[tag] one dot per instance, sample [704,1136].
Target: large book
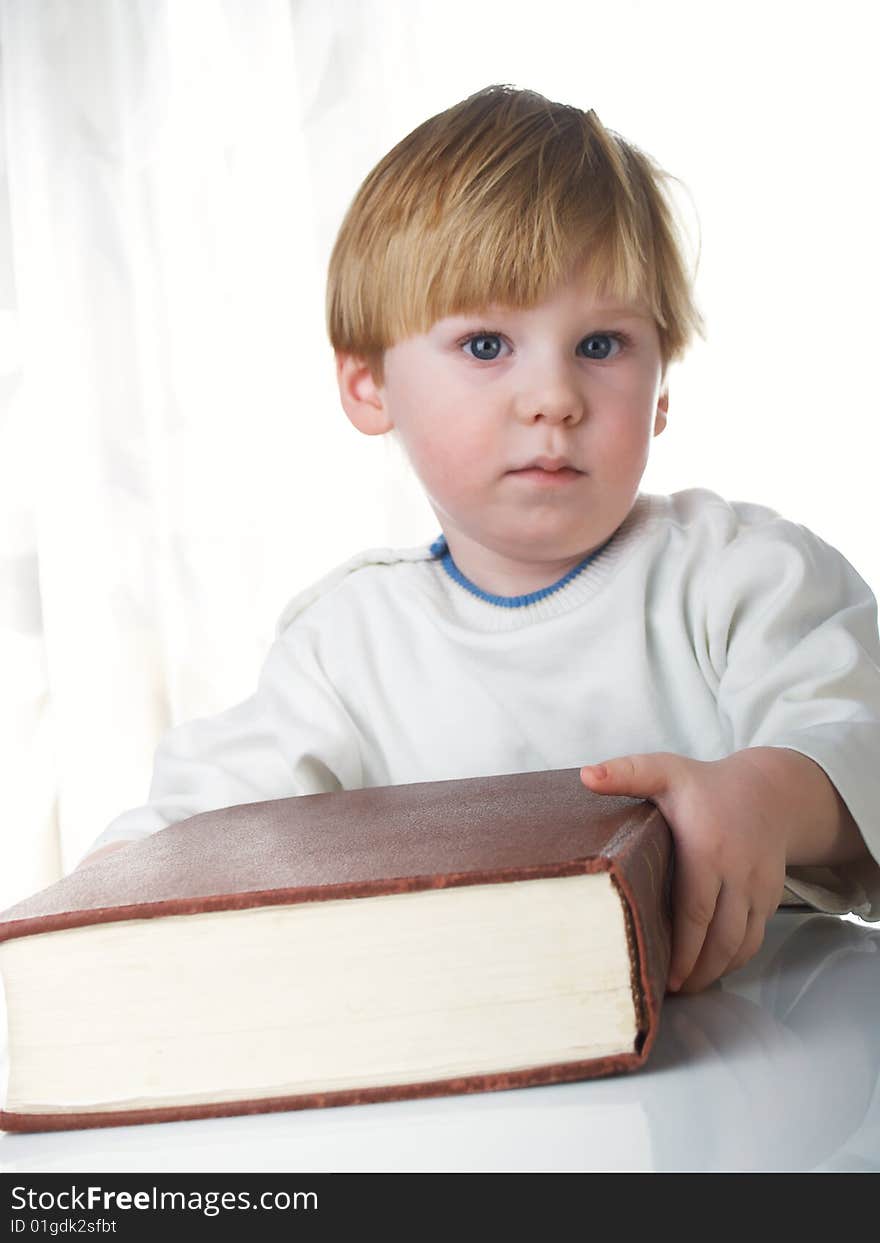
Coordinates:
[333,949]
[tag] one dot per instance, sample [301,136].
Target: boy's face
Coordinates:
[479,397]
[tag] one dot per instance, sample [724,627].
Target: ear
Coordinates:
[362,401]
[662,408]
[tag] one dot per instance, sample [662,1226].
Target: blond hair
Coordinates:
[500,199]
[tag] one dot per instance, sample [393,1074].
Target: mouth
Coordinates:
[548,472]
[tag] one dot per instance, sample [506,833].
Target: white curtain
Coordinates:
[174,462]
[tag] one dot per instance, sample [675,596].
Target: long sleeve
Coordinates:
[792,635]
[292,736]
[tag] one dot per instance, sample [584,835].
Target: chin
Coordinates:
[546,548]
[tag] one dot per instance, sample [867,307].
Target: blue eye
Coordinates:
[480,339]
[487,345]
[603,336]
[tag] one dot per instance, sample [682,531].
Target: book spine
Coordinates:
[642,862]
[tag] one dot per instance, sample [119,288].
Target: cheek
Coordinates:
[620,452]
[625,435]
[452,453]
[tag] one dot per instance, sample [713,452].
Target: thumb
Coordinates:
[635,776]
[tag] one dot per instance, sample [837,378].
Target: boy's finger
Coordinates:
[695,894]
[752,941]
[724,939]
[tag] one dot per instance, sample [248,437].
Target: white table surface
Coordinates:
[774,1068]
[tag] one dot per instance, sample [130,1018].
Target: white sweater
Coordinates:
[701,627]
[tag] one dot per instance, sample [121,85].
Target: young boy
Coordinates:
[506,294]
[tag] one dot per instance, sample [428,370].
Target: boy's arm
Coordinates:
[292,736]
[791,637]
[822,832]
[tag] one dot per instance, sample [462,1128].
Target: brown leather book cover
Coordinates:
[363,843]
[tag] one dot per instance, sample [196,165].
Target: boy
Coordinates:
[506,294]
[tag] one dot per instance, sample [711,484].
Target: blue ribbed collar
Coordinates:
[440,549]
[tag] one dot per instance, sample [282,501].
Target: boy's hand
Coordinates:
[728,826]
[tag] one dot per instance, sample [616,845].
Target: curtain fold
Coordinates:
[168,390]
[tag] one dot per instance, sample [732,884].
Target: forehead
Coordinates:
[578,296]
[623,310]
[578,305]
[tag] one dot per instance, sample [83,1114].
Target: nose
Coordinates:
[554,395]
